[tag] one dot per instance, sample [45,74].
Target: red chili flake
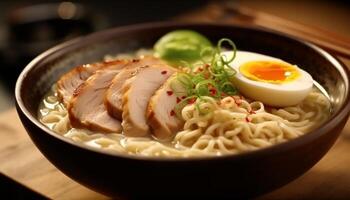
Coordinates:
[178,100]
[223,94]
[170,92]
[200,69]
[206,65]
[172,113]
[212,91]
[191,101]
[164,72]
[252,112]
[247,119]
[237,102]
[183,97]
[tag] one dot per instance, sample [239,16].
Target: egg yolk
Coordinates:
[269,71]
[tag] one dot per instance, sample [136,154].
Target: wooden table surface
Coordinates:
[328,179]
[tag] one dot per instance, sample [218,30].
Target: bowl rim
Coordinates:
[108,33]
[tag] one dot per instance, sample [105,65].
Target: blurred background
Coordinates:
[29,27]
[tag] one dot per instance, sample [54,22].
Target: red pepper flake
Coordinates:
[212,91]
[164,72]
[172,113]
[183,97]
[178,100]
[237,101]
[206,65]
[223,94]
[200,69]
[247,119]
[170,92]
[191,101]
[252,112]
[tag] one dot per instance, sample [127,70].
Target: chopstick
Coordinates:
[330,41]
[229,12]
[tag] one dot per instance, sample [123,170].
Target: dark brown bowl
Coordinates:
[244,175]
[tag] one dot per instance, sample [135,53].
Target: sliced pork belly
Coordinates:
[161,116]
[113,99]
[137,92]
[86,108]
[75,77]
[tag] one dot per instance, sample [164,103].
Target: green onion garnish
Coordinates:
[210,76]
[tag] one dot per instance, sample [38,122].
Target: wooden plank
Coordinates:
[22,161]
[229,13]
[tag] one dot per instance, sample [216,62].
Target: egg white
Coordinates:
[279,95]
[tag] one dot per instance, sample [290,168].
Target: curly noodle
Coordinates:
[212,127]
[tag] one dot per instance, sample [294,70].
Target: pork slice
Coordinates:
[161,116]
[86,108]
[137,92]
[70,81]
[113,98]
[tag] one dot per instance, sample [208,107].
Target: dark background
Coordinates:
[28,28]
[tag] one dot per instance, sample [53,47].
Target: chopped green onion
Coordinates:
[212,78]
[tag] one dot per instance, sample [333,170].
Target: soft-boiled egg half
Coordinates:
[270,80]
